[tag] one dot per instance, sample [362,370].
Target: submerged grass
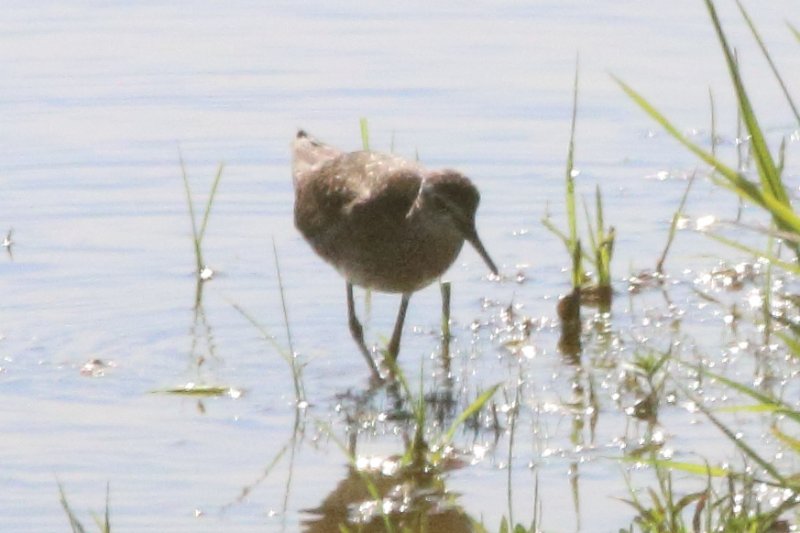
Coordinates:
[208,391]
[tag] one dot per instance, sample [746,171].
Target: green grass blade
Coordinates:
[791,342]
[74,523]
[784,216]
[795,31]
[788,440]
[570,179]
[673,226]
[593,240]
[755,408]
[756,395]
[693,468]
[577,265]
[557,232]
[364,133]
[767,169]
[766,465]
[765,402]
[713,123]
[209,203]
[473,408]
[742,445]
[748,188]
[766,290]
[291,357]
[198,253]
[288,356]
[768,57]
[105,525]
[598,205]
[605,248]
[789,267]
[203,391]
[683,466]
[573,244]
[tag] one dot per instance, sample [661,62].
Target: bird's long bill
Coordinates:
[475,241]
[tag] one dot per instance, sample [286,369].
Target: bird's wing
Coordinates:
[358,189]
[390,198]
[321,200]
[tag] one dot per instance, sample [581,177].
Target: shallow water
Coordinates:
[98,100]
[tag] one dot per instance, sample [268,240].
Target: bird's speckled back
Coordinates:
[363,212]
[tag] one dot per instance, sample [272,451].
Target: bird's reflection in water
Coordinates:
[402,492]
[382,494]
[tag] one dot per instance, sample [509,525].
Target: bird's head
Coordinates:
[452,196]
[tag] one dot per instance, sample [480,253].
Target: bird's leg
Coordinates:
[357,331]
[394,344]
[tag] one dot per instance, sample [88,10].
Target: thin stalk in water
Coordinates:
[296,370]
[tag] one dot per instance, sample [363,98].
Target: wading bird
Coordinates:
[384,222]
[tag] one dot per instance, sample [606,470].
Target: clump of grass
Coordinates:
[569,306]
[769,192]
[585,290]
[202,270]
[730,500]
[737,506]
[733,507]
[103,523]
[601,239]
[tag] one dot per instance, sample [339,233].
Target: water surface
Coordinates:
[98,100]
